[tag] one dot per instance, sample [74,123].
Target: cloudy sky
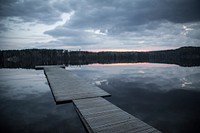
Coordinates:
[99,24]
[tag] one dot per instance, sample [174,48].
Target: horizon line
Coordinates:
[104,50]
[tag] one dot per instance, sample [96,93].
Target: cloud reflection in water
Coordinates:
[153,93]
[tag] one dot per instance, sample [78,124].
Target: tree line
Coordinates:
[29,58]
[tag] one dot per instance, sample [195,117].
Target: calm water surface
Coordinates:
[27,105]
[164,96]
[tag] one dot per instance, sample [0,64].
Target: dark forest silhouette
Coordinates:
[29,58]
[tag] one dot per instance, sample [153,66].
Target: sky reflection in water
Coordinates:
[27,105]
[165,96]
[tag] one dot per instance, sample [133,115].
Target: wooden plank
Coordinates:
[42,67]
[122,127]
[83,120]
[104,117]
[66,86]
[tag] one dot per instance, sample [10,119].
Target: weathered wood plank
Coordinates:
[84,121]
[108,118]
[121,127]
[66,86]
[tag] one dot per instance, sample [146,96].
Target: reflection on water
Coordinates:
[33,83]
[165,96]
[27,105]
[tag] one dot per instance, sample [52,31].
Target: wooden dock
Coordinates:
[66,86]
[97,114]
[101,116]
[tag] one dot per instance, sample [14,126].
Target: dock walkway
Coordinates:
[97,114]
[101,116]
[66,86]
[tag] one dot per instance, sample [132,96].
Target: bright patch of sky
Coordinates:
[22,34]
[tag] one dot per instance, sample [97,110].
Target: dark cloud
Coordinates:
[177,11]
[7,2]
[112,14]
[151,23]
[109,22]
[31,10]
[3,28]
[126,15]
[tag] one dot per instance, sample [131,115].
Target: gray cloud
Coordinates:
[31,10]
[112,14]
[73,37]
[3,28]
[126,15]
[117,23]
[63,32]
[194,34]
[93,13]
[193,31]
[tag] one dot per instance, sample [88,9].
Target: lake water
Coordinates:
[164,96]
